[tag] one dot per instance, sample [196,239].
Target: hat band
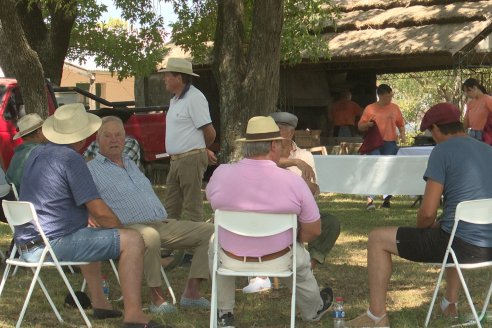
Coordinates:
[265,135]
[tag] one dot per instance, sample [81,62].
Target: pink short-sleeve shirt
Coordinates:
[259,186]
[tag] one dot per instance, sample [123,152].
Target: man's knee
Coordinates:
[131,238]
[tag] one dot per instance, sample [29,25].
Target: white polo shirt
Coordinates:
[184,119]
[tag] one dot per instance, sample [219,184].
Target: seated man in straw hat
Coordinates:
[57,181]
[29,127]
[256,183]
[131,196]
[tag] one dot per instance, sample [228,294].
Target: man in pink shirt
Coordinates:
[257,184]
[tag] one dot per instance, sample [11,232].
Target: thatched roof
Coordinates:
[382,29]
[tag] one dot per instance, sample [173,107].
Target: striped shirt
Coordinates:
[126,191]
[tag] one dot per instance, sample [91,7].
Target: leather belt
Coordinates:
[263,258]
[188,153]
[30,245]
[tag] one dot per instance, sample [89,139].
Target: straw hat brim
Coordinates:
[177,70]
[257,140]
[64,138]
[27,131]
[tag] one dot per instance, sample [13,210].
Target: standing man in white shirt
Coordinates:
[189,131]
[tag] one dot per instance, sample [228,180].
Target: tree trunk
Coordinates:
[27,69]
[247,71]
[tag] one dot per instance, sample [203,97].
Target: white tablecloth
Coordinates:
[371,175]
[416,150]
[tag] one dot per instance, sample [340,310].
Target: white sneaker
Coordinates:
[257,284]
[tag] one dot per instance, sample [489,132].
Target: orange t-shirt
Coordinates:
[477,111]
[344,112]
[388,118]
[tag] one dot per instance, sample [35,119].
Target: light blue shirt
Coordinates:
[126,190]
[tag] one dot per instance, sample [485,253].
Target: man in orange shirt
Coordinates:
[343,115]
[388,119]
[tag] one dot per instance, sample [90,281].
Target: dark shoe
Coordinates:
[226,320]
[386,202]
[106,314]
[150,324]
[327,297]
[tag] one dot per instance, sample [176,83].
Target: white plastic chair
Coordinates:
[252,224]
[476,212]
[19,213]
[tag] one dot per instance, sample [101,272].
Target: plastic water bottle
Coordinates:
[338,313]
[105,287]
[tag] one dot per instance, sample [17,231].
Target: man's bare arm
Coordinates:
[306,169]
[308,231]
[427,213]
[209,134]
[102,215]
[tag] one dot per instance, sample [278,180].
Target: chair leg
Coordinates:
[69,287]
[4,277]
[47,295]
[486,303]
[468,297]
[169,288]
[434,297]
[28,296]
[213,304]
[115,270]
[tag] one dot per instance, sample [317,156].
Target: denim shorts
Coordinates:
[84,245]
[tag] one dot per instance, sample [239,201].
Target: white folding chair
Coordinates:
[19,213]
[253,225]
[477,212]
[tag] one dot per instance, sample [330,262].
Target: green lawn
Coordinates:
[409,294]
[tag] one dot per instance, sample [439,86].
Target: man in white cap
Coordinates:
[29,127]
[257,184]
[58,183]
[189,131]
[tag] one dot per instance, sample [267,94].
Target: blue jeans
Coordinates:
[84,245]
[388,148]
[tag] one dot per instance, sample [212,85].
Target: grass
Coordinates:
[409,294]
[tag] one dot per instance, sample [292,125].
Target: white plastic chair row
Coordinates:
[246,224]
[19,213]
[476,212]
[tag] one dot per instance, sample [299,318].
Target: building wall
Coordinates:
[111,88]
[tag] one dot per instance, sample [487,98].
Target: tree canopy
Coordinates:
[57,30]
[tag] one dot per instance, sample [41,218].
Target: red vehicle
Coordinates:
[147,125]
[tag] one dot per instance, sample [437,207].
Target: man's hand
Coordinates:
[307,171]
[212,159]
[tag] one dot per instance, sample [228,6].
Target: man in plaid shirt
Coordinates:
[132,149]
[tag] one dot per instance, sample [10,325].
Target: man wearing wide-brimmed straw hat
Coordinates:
[29,127]
[257,184]
[189,131]
[58,183]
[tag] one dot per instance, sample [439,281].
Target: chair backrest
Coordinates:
[18,213]
[254,224]
[475,211]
